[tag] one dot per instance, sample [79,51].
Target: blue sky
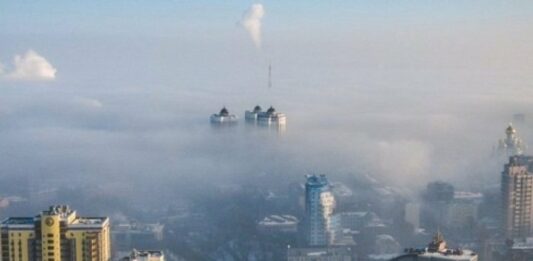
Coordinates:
[165,17]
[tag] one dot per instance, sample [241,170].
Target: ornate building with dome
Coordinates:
[223,117]
[512,144]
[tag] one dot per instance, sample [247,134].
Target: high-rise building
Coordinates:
[56,234]
[319,206]
[517,197]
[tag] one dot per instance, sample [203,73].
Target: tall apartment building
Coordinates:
[57,234]
[319,206]
[517,197]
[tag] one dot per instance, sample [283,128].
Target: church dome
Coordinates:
[271,110]
[224,112]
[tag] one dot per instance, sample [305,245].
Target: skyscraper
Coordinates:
[517,197]
[319,207]
[54,235]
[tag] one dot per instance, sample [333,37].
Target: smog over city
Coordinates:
[406,112]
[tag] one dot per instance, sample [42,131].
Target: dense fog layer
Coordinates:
[404,101]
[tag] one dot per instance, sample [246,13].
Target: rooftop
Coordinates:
[61,210]
[316,180]
[136,254]
[523,244]
[18,221]
[273,220]
[438,248]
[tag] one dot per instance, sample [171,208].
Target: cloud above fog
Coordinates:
[30,66]
[251,21]
[88,103]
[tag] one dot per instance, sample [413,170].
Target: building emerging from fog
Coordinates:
[56,234]
[145,255]
[223,117]
[319,206]
[512,144]
[517,197]
[268,118]
[437,250]
[251,116]
[271,118]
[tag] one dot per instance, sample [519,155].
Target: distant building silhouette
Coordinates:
[512,144]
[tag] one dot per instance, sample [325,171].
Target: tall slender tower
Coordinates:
[269,76]
[517,197]
[319,207]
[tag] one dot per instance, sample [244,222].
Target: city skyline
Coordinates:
[411,108]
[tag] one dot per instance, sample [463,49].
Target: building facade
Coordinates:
[319,206]
[272,118]
[251,116]
[56,234]
[517,197]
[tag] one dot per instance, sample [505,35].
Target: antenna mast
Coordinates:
[269,75]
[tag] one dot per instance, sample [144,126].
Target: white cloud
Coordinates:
[89,103]
[32,66]
[251,21]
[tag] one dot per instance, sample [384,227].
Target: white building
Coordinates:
[437,250]
[271,118]
[251,116]
[145,255]
[278,224]
[224,117]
